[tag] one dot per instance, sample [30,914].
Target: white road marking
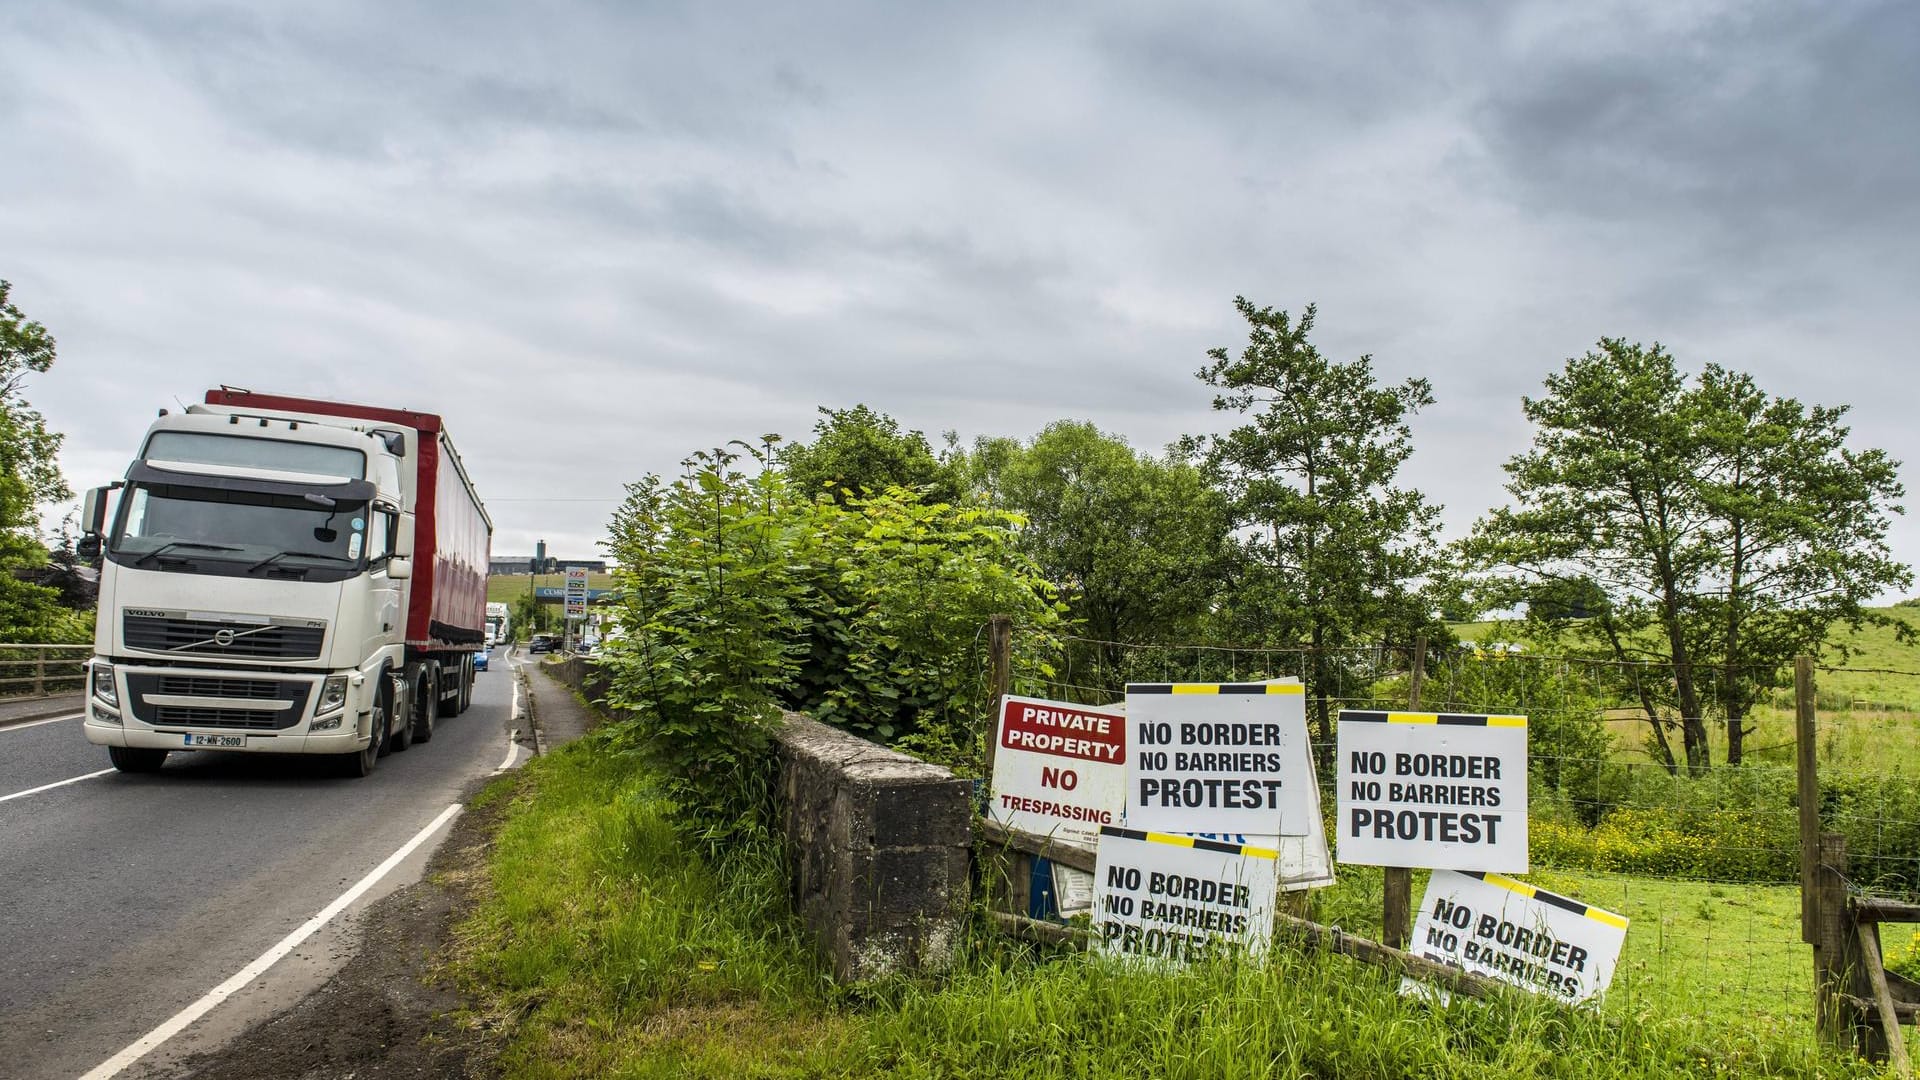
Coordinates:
[37,723]
[50,787]
[513,751]
[185,1017]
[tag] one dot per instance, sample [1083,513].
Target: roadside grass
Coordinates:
[602,946]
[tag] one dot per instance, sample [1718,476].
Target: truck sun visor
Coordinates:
[340,490]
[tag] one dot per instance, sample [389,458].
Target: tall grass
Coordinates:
[605,947]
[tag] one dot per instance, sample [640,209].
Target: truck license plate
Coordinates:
[224,742]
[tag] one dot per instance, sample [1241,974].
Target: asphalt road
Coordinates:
[125,899]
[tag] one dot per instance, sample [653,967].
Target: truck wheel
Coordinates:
[133,759]
[361,762]
[428,709]
[465,697]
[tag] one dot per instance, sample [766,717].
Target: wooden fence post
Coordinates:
[1396,900]
[40,672]
[999,677]
[1805,764]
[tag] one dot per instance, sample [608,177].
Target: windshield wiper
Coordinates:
[278,555]
[171,544]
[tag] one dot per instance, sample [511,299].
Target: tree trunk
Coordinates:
[1736,733]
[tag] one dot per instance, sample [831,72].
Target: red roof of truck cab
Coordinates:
[241,399]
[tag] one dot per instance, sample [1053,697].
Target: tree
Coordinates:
[29,478]
[859,450]
[1136,544]
[1712,527]
[1330,549]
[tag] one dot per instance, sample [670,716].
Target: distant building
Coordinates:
[521,564]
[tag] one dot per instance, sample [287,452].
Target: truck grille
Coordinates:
[210,714]
[201,686]
[196,637]
[245,719]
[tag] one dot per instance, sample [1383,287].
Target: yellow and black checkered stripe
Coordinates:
[1215,688]
[1176,840]
[1358,716]
[1521,888]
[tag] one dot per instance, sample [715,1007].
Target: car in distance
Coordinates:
[480,659]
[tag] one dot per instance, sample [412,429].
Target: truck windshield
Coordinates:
[254,532]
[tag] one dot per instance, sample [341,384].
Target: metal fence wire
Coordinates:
[1705,861]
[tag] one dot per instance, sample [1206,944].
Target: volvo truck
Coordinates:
[284,575]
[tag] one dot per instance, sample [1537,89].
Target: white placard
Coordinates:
[1439,790]
[1219,758]
[1059,769]
[1175,899]
[1508,930]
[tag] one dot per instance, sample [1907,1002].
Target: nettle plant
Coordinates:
[741,597]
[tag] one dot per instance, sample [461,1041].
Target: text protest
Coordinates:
[1219,757]
[1178,899]
[1433,790]
[1508,930]
[1059,769]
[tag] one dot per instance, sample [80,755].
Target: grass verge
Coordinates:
[603,947]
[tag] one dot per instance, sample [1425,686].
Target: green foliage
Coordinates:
[742,596]
[29,478]
[1711,526]
[711,630]
[1136,544]
[1331,552]
[859,450]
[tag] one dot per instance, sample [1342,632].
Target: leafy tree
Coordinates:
[29,478]
[859,450]
[1330,551]
[1136,544]
[1711,527]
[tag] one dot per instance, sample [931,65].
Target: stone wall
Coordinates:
[878,848]
[877,842]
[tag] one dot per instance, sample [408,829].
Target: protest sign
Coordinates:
[1059,769]
[1219,758]
[1178,899]
[1439,790]
[1508,930]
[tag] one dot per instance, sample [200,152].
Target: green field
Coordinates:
[506,588]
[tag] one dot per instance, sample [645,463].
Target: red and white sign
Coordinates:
[1059,769]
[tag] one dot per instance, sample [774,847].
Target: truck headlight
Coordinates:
[333,695]
[103,687]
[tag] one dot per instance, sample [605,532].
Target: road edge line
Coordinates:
[50,787]
[38,720]
[183,1019]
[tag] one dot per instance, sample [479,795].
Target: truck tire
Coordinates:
[465,697]
[427,711]
[134,759]
[361,762]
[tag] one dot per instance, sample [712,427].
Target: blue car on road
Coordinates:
[480,659]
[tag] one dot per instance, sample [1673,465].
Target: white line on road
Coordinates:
[185,1017]
[513,751]
[37,723]
[50,787]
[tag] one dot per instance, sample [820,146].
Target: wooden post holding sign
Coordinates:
[999,671]
[1175,899]
[1507,930]
[1396,882]
[1440,790]
[1219,758]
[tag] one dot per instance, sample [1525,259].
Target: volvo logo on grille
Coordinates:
[223,637]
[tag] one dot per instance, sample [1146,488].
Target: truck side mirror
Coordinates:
[399,569]
[93,512]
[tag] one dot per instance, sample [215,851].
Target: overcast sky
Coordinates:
[596,237]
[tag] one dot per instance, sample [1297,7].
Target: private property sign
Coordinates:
[1219,758]
[1508,930]
[1440,790]
[1177,899]
[1059,769]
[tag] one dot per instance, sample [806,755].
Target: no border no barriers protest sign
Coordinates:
[1177,899]
[1219,758]
[1440,790]
[1508,930]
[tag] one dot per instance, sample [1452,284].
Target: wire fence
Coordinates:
[1633,806]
